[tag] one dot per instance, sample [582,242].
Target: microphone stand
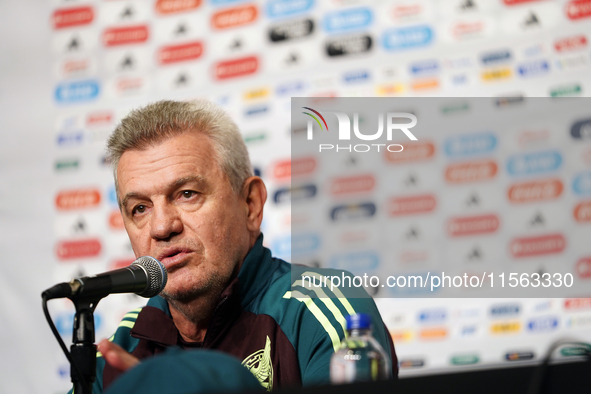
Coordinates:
[83,349]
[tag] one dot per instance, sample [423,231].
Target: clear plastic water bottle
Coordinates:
[360,358]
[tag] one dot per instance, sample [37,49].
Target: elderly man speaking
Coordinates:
[188,197]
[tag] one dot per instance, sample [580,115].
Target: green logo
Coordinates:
[67,164]
[465,359]
[570,90]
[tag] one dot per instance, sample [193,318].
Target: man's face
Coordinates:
[178,206]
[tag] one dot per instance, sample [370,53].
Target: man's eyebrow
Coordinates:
[175,185]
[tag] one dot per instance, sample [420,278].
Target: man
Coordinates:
[188,197]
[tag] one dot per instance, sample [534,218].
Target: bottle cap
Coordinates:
[358,321]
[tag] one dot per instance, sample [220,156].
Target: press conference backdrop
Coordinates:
[79,66]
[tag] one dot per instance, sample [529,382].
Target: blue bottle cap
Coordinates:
[358,321]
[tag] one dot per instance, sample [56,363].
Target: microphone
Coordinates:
[145,277]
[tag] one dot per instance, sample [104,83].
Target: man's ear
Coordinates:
[254,193]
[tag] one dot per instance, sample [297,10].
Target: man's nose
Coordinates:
[165,222]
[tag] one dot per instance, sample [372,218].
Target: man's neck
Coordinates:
[192,318]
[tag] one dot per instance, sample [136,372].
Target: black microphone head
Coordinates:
[157,275]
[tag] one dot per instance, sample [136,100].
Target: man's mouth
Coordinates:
[173,257]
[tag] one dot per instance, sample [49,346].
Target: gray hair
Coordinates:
[161,120]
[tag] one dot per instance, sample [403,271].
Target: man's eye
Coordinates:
[138,209]
[188,193]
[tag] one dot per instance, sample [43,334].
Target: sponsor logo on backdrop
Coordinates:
[537,246]
[176,6]
[348,45]
[579,322]
[281,8]
[304,243]
[100,119]
[424,67]
[256,110]
[473,171]
[295,167]
[75,249]
[433,334]
[116,36]
[519,356]
[350,19]
[416,152]
[541,190]
[571,43]
[509,101]
[411,205]
[581,129]
[64,322]
[407,11]
[465,30]
[290,88]
[534,163]
[542,324]
[116,221]
[407,37]
[577,303]
[234,17]
[364,261]
[533,69]
[578,9]
[72,17]
[432,316]
[408,362]
[496,57]
[505,328]
[121,263]
[514,2]
[473,225]
[582,183]
[582,212]
[256,94]
[425,84]
[236,67]
[472,144]
[77,199]
[291,30]
[356,76]
[180,53]
[71,92]
[352,184]
[465,359]
[499,73]
[352,211]
[295,193]
[67,164]
[505,310]
[583,268]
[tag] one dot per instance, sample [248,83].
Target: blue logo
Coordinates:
[471,144]
[496,57]
[534,163]
[581,129]
[407,37]
[356,262]
[258,110]
[468,331]
[505,310]
[548,323]
[290,88]
[70,92]
[459,79]
[70,138]
[582,183]
[347,20]
[433,316]
[424,67]
[353,211]
[533,69]
[279,8]
[64,322]
[112,196]
[223,2]
[295,193]
[356,76]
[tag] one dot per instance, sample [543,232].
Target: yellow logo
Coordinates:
[260,365]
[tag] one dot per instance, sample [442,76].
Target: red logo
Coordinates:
[75,66]
[180,53]
[297,167]
[352,184]
[123,263]
[67,250]
[174,6]
[417,151]
[102,118]
[467,28]
[577,303]
[72,17]
[577,9]
[411,205]
[471,172]
[513,2]
[536,246]
[125,35]
[233,17]
[77,199]
[583,267]
[116,221]
[473,225]
[236,68]
[570,43]
[129,85]
[535,191]
[405,11]
[582,211]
